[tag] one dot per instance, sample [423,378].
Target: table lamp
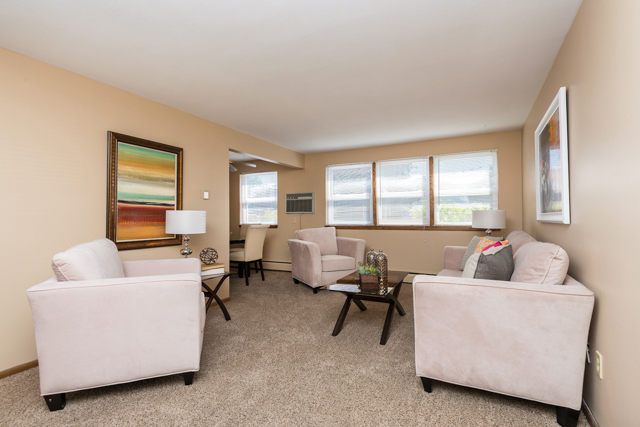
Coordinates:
[489,219]
[186,222]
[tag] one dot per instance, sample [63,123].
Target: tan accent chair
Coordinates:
[319,257]
[525,338]
[251,253]
[101,321]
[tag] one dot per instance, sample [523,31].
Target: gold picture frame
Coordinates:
[144,181]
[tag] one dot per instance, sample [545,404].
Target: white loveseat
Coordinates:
[526,339]
[101,321]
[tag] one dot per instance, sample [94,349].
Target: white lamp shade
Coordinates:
[491,219]
[186,222]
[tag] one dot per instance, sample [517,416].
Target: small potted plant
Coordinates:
[368,277]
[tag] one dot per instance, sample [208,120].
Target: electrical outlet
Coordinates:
[294,220]
[599,364]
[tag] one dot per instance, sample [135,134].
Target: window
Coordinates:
[403,192]
[259,198]
[463,183]
[435,191]
[350,194]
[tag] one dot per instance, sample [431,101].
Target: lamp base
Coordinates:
[186,251]
[488,232]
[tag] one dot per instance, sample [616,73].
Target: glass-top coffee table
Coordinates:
[348,286]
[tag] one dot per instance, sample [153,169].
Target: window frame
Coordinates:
[372,199]
[483,153]
[378,188]
[432,225]
[241,222]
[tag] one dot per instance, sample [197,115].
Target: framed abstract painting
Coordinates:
[552,163]
[145,180]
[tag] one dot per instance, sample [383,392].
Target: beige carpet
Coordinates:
[276,363]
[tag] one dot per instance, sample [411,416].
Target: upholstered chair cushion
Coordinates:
[324,237]
[254,242]
[519,238]
[338,263]
[540,263]
[88,261]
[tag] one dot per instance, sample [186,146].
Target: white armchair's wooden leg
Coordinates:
[56,402]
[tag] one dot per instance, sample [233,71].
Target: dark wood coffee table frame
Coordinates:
[213,294]
[390,298]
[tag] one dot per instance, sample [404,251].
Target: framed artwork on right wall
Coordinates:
[552,163]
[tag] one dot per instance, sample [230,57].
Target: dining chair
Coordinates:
[251,253]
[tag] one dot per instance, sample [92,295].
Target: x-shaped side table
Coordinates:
[213,294]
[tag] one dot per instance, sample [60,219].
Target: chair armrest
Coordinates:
[351,247]
[161,267]
[453,257]
[519,339]
[306,262]
[99,332]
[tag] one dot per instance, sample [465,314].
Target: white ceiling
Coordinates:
[235,156]
[310,75]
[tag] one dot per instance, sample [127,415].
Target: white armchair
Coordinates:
[101,321]
[319,257]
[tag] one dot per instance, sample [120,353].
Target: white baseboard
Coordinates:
[276,265]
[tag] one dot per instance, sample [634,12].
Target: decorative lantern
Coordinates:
[382,263]
[371,258]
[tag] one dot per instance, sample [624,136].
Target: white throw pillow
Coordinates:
[88,261]
[540,263]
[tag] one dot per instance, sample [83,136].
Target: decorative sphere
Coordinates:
[208,256]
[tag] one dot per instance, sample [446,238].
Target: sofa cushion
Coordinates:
[540,263]
[450,273]
[518,239]
[324,237]
[337,263]
[494,263]
[88,261]
[472,247]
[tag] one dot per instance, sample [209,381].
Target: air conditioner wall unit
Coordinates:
[300,203]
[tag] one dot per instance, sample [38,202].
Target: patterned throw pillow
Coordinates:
[494,245]
[472,246]
[486,242]
[493,264]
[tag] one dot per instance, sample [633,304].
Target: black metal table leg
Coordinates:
[213,294]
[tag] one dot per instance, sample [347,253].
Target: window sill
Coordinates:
[408,227]
[270,226]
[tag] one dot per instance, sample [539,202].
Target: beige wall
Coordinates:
[599,63]
[415,251]
[53,176]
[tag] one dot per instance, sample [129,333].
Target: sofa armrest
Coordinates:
[161,267]
[453,257]
[306,262]
[100,332]
[518,339]
[351,247]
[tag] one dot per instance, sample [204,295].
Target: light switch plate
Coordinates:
[206,195]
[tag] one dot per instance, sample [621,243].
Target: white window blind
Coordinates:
[463,183]
[403,192]
[350,194]
[259,198]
